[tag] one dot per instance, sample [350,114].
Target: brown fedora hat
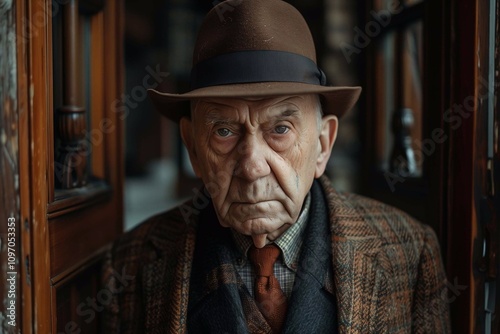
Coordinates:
[255,48]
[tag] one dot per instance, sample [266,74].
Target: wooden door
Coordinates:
[453,133]
[64,173]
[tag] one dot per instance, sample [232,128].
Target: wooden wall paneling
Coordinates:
[486,200]
[381,107]
[40,112]
[77,298]
[479,158]
[411,115]
[68,200]
[436,99]
[97,103]
[494,196]
[398,71]
[50,112]
[461,218]
[114,87]
[369,103]
[76,236]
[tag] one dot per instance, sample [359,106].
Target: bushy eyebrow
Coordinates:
[289,113]
[214,117]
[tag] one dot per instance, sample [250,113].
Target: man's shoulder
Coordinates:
[163,231]
[379,213]
[359,215]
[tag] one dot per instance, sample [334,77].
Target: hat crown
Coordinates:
[254,48]
[242,25]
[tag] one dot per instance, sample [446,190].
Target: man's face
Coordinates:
[258,158]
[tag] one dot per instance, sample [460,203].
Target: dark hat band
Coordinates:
[256,66]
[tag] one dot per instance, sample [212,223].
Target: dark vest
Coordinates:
[219,302]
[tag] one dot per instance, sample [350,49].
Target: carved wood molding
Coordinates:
[71,161]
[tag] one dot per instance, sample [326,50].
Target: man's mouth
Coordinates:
[254,201]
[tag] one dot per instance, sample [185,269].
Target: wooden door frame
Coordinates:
[455,45]
[35,82]
[467,183]
[460,33]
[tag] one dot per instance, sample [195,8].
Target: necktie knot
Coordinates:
[263,259]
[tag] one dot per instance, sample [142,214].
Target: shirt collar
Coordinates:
[289,242]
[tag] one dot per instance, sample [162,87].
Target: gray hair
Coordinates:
[319,110]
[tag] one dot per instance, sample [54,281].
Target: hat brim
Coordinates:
[337,100]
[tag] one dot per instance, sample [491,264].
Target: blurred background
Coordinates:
[85,158]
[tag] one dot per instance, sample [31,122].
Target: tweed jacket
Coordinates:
[387,271]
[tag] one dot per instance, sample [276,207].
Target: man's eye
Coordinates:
[281,129]
[223,132]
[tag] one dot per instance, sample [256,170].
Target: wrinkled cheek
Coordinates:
[217,179]
[287,175]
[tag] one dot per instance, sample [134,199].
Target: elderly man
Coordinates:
[267,246]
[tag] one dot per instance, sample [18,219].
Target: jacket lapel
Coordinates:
[165,279]
[360,267]
[312,305]
[218,300]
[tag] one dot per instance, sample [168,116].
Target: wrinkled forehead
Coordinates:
[253,107]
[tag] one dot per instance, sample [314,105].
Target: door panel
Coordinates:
[70,160]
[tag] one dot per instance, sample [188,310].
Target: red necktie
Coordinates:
[268,294]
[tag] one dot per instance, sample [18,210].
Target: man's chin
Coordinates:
[260,228]
[257,225]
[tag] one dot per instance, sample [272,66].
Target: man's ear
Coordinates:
[186,127]
[328,134]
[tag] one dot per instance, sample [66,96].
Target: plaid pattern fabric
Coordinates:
[285,267]
[387,271]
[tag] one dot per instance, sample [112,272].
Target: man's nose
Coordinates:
[252,163]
